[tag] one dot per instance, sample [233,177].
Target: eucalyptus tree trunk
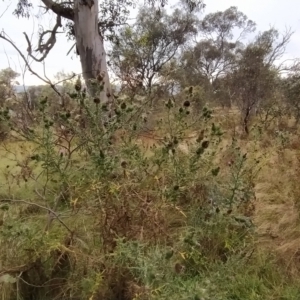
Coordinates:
[90,47]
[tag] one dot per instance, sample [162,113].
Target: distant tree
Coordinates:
[254,80]
[141,51]
[223,94]
[211,56]
[215,54]
[181,76]
[291,90]
[7,82]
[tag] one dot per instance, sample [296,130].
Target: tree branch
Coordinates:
[59,9]
[44,48]
[50,211]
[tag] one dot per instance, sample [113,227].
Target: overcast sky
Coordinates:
[265,13]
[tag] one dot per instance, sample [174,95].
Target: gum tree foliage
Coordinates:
[215,53]
[141,51]
[87,22]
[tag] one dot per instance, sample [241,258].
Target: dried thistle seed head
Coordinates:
[78,84]
[97,100]
[200,137]
[100,76]
[179,268]
[205,144]
[186,103]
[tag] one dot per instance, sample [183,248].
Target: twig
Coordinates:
[71,49]
[18,269]
[50,211]
[7,7]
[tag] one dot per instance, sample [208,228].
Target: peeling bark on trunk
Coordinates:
[91,47]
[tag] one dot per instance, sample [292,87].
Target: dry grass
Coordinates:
[13,160]
[277,201]
[277,211]
[277,188]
